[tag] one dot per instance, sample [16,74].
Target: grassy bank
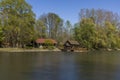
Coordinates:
[26,50]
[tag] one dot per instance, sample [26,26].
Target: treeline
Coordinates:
[52,26]
[19,26]
[98,29]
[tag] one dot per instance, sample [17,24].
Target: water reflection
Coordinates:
[98,67]
[67,68]
[13,65]
[60,66]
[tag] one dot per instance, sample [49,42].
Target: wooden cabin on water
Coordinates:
[70,45]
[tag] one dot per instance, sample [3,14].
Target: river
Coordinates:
[96,65]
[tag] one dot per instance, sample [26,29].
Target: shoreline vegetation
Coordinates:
[96,29]
[12,50]
[36,50]
[27,50]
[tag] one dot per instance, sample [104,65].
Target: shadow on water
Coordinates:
[96,65]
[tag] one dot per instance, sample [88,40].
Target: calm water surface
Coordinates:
[60,66]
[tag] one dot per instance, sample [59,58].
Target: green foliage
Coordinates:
[51,25]
[96,31]
[41,29]
[49,44]
[18,22]
[111,35]
[1,35]
[85,33]
[68,30]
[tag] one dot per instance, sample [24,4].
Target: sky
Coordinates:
[69,9]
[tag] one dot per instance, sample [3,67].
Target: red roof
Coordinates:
[43,41]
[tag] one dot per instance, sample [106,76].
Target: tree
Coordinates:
[1,35]
[1,31]
[111,35]
[18,22]
[98,29]
[85,33]
[100,16]
[40,29]
[69,30]
[53,24]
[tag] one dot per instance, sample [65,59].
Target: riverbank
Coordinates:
[47,50]
[27,50]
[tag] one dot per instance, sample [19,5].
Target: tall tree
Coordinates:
[85,33]
[18,22]
[40,29]
[1,33]
[98,29]
[100,16]
[53,24]
[110,31]
[69,29]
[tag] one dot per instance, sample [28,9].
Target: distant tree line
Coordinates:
[98,29]
[95,29]
[52,26]
[18,26]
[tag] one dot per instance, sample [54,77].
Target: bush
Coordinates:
[48,43]
[50,47]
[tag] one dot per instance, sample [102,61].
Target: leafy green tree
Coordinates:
[1,36]
[92,36]
[98,29]
[111,35]
[1,32]
[18,22]
[49,44]
[100,38]
[85,33]
[41,29]
[53,24]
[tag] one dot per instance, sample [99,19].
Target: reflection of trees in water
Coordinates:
[67,67]
[55,66]
[15,66]
[96,66]
[47,66]
[59,66]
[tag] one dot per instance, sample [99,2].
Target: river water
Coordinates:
[95,65]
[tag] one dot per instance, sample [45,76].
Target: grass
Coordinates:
[25,50]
